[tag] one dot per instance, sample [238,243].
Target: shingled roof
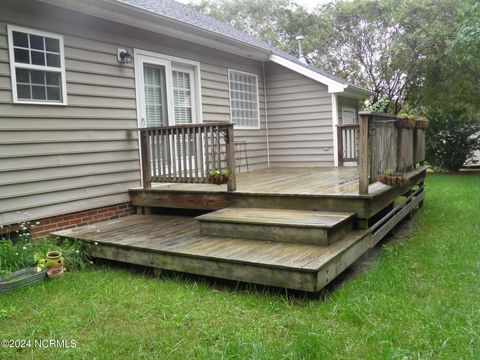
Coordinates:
[182,13]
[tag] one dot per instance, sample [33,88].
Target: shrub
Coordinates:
[451,138]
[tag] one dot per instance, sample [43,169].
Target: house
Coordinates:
[113,107]
[69,107]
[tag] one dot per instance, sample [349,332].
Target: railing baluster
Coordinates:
[219,148]
[207,150]
[211,148]
[174,155]
[190,132]
[201,150]
[186,153]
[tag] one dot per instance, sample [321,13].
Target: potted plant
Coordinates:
[389,177]
[218,177]
[421,123]
[405,121]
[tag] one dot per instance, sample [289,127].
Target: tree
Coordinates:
[451,139]
[388,46]
[274,21]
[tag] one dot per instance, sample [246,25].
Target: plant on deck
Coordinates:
[216,176]
[392,178]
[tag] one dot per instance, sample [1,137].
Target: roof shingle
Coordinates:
[182,13]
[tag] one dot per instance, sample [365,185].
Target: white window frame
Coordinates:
[349,109]
[14,65]
[258,101]
[170,62]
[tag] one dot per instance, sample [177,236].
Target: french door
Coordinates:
[166,97]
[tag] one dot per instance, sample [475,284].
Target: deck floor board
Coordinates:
[301,180]
[180,235]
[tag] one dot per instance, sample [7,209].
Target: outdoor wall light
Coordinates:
[124,57]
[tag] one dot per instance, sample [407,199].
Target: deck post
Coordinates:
[340,145]
[363,155]
[147,183]
[230,153]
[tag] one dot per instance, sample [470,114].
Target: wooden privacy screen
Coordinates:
[387,142]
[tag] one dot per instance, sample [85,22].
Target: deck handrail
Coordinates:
[388,142]
[347,140]
[187,153]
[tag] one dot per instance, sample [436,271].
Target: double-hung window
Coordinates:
[244,104]
[37,66]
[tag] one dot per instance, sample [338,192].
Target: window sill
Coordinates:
[32,102]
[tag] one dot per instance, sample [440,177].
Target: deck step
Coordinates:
[293,226]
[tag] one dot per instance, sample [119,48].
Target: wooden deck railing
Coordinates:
[386,143]
[186,153]
[347,138]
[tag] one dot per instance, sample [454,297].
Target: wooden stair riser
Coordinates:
[282,233]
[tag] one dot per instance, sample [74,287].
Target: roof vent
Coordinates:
[301,57]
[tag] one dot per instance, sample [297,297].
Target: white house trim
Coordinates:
[334,129]
[333,86]
[138,54]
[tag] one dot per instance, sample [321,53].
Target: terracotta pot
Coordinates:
[421,124]
[218,180]
[405,123]
[55,272]
[54,259]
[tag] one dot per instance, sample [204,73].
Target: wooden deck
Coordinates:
[316,189]
[174,243]
[293,181]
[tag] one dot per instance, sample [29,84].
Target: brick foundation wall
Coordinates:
[76,219]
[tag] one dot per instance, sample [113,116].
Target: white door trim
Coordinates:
[141,56]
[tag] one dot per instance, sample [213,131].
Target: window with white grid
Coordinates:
[244,107]
[37,66]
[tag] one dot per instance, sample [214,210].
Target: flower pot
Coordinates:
[421,124]
[405,123]
[21,278]
[217,180]
[54,259]
[392,180]
[55,272]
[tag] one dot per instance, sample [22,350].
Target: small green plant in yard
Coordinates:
[19,251]
[418,300]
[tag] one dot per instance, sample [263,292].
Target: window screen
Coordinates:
[244,99]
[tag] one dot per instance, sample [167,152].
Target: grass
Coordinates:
[420,299]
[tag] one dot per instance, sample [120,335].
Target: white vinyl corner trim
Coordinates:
[333,86]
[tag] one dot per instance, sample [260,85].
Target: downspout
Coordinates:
[335,129]
[266,113]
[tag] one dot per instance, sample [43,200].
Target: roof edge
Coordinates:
[334,86]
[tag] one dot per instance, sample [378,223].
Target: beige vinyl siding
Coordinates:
[59,159]
[299,119]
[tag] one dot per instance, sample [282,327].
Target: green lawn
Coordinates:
[420,299]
